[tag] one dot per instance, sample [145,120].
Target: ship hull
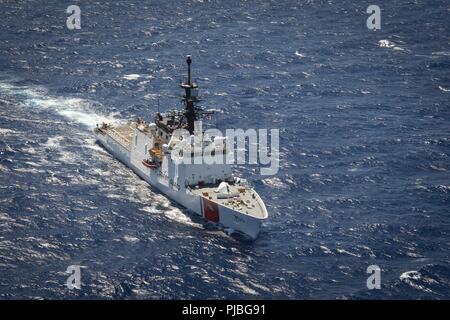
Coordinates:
[231,221]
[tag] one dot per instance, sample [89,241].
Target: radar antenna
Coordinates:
[190,98]
[192,112]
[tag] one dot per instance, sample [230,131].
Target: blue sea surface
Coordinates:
[364,148]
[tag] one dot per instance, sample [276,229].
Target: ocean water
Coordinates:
[364,148]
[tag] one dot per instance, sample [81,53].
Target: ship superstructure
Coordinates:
[209,190]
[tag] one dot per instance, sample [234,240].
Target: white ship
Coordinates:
[209,190]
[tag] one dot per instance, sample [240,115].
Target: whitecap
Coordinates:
[326,250]
[5,131]
[27,170]
[299,54]
[33,164]
[53,142]
[386,44]
[413,277]
[275,183]
[215,110]
[245,289]
[410,275]
[441,53]
[151,96]
[131,239]
[131,76]
[348,253]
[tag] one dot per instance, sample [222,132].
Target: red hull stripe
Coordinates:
[210,210]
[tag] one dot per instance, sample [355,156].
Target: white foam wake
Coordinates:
[73,109]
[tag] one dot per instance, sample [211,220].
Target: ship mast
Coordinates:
[190,98]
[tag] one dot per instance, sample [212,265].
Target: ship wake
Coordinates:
[75,110]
